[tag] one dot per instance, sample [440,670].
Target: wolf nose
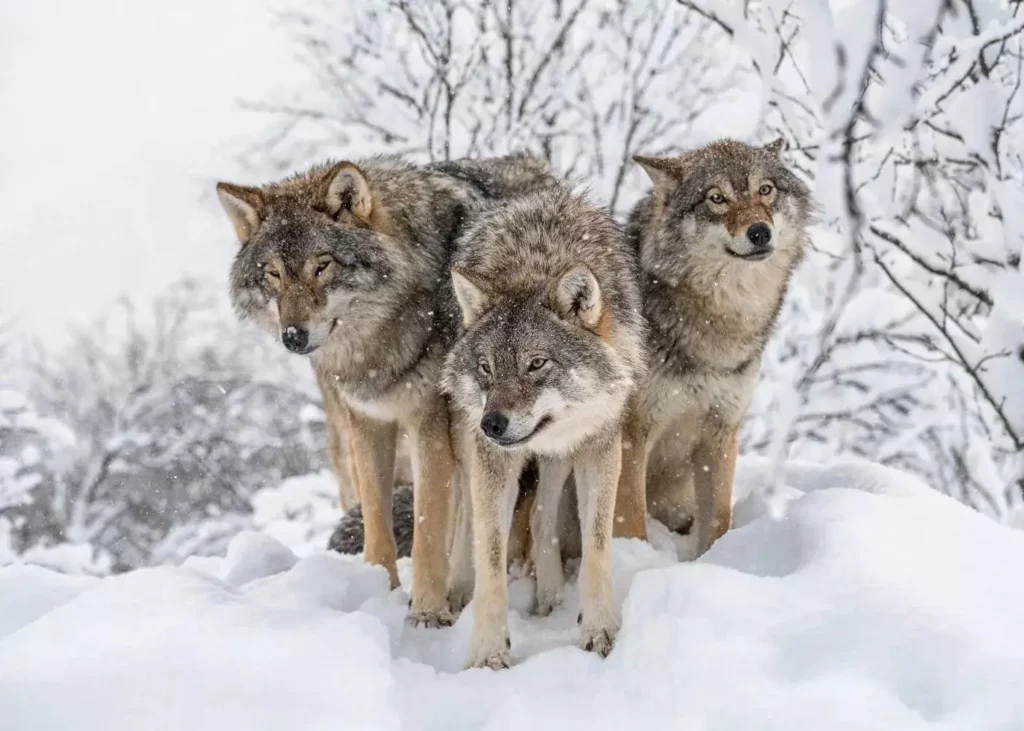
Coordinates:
[295,338]
[759,235]
[494,424]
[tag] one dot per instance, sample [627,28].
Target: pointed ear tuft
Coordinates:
[244,207]
[578,295]
[664,172]
[347,189]
[473,300]
[776,147]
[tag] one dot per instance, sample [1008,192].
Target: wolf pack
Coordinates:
[548,377]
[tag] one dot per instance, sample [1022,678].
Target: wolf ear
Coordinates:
[579,295]
[347,189]
[473,301]
[244,207]
[776,147]
[664,172]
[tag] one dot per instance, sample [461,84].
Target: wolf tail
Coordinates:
[348,536]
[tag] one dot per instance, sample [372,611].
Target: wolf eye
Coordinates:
[322,267]
[271,273]
[717,198]
[537,363]
[483,367]
[766,189]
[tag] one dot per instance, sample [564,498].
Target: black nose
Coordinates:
[759,235]
[295,338]
[494,424]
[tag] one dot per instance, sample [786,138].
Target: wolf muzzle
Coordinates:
[757,246]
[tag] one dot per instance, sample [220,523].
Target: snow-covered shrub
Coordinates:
[179,415]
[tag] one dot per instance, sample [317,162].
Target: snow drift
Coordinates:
[871,603]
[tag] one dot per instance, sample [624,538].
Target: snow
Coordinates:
[874,603]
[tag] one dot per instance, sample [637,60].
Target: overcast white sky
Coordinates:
[114,119]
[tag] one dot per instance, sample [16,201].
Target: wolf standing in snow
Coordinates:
[718,239]
[551,350]
[348,262]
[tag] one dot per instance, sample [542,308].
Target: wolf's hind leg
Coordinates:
[631,491]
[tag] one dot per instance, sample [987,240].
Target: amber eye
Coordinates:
[717,198]
[537,363]
[483,367]
[272,274]
[766,189]
[322,267]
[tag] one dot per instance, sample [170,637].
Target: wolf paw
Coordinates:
[494,661]
[459,597]
[495,658]
[431,618]
[598,638]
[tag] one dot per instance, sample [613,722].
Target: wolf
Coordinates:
[718,238]
[552,346]
[346,262]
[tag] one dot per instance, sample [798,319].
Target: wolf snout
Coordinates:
[755,245]
[296,339]
[760,236]
[494,424]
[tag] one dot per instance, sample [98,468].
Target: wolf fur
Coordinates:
[552,346]
[349,536]
[718,238]
[347,262]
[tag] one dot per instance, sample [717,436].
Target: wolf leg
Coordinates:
[547,550]
[373,459]
[631,494]
[433,467]
[597,476]
[339,446]
[460,573]
[714,467]
[494,479]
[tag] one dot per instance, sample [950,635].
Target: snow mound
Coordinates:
[873,603]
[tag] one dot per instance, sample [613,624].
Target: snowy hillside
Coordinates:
[874,603]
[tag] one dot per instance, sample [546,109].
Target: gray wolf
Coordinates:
[347,262]
[552,346]
[718,238]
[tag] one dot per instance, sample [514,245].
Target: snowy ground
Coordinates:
[874,603]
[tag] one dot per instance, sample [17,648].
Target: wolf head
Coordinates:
[534,370]
[725,208]
[317,251]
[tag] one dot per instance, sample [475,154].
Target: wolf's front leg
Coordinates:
[494,480]
[373,462]
[433,466]
[547,549]
[597,476]
[339,447]
[714,467]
